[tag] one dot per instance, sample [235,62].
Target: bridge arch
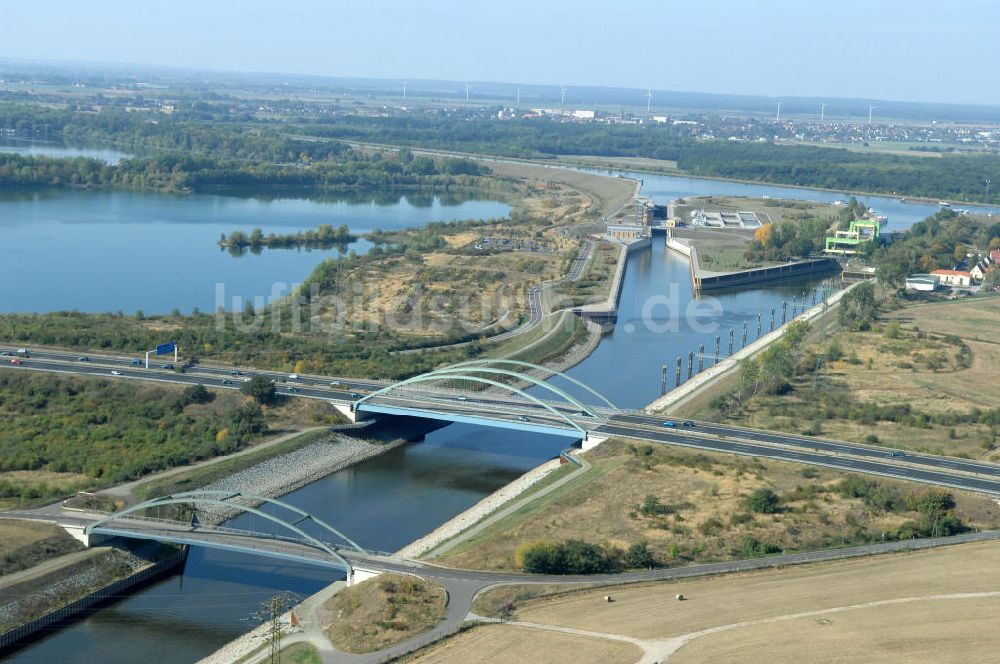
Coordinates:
[529,365]
[443,375]
[226,499]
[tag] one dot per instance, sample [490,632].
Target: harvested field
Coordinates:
[941,629]
[503,644]
[650,611]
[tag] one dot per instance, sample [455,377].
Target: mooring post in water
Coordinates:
[701,357]
[690,363]
[663,380]
[784,311]
[744,344]
[814,297]
[758,326]
[718,349]
[730,341]
[679,362]
[772,319]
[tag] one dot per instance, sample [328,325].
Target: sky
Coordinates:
[912,50]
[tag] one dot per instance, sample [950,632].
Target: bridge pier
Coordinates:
[359,574]
[592,440]
[87,539]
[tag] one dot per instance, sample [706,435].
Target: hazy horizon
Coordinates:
[893,51]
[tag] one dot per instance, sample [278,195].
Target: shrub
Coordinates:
[261,388]
[639,555]
[651,506]
[763,501]
[568,557]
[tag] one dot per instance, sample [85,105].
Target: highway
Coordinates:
[428,402]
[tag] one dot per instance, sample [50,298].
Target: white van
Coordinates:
[293,376]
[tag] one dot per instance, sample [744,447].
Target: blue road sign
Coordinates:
[163,349]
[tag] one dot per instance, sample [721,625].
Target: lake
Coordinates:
[97,251]
[45,149]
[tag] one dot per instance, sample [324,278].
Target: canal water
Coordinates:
[390,501]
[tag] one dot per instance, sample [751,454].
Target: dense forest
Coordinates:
[209,149]
[953,177]
[177,155]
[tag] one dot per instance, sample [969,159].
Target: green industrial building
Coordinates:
[848,242]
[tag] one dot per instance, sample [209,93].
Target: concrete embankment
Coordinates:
[703,280]
[608,309]
[73,584]
[279,475]
[477,512]
[708,378]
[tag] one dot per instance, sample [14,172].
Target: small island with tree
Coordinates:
[324,237]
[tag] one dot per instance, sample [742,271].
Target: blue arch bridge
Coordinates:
[494,392]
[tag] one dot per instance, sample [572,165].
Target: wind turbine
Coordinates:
[822,112]
[404,89]
[870,109]
[649,99]
[562,96]
[777,118]
[466,91]
[519,95]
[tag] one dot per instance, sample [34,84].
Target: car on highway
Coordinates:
[115,372]
[83,358]
[461,398]
[166,366]
[335,383]
[293,376]
[292,389]
[355,395]
[136,363]
[670,424]
[16,362]
[687,423]
[235,372]
[522,418]
[897,453]
[22,351]
[6,353]
[226,381]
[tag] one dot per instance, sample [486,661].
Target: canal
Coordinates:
[390,501]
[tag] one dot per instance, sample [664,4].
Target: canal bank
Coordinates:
[143,571]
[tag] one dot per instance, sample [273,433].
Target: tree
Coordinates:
[763,501]
[197,394]
[247,420]
[858,307]
[261,388]
[638,556]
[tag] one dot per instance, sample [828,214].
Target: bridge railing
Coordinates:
[450,396]
[225,530]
